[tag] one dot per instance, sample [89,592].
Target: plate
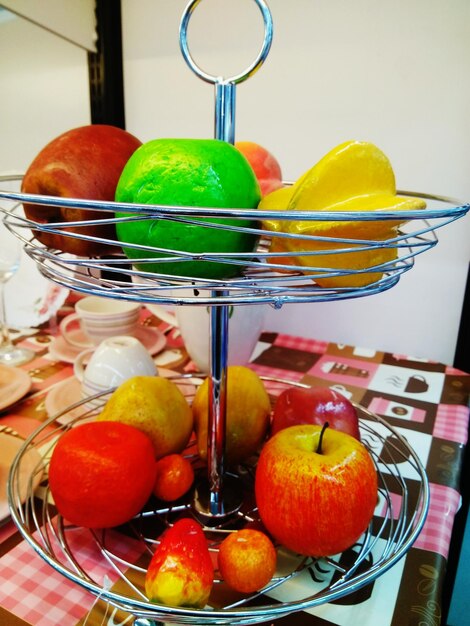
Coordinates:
[152,338]
[14,384]
[69,391]
[63,395]
[10,443]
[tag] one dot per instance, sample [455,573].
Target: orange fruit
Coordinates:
[175,475]
[248,414]
[194,173]
[101,474]
[247,560]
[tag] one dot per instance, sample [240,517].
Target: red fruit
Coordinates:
[315,405]
[264,164]
[181,572]
[269,184]
[84,162]
[315,501]
[101,474]
[175,475]
[247,560]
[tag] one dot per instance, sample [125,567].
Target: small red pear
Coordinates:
[181,572]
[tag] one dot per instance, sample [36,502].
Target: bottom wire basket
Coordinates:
[121,556]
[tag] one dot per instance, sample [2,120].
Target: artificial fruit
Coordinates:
[316,489]
[181,572]
[101,474]
[264,164]
[84,163]
[247,415]
[156,406]
[192,173]
[354,176]
[175,475]
[315,405]
[247,560]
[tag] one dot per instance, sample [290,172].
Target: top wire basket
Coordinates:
[312,265]
[262,276]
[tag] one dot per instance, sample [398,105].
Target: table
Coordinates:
[427,402]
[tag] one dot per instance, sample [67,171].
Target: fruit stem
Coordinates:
[320,440]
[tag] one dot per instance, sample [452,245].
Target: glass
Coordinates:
[10,257]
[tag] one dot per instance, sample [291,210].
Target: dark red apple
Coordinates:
[315,405]
[85,163]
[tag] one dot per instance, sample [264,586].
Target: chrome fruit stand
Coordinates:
[223,500]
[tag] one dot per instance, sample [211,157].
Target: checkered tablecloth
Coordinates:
[425,401]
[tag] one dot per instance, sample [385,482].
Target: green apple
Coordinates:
[195,173]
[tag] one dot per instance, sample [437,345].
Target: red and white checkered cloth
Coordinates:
[451,422]
[437,530]
[301,343]
[35,592]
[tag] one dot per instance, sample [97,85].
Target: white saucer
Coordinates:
[152,338]
[10,443]
[69,391]
[14,384]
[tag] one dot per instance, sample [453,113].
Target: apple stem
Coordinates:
[320,441]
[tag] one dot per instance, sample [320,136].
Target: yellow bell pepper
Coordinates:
[354,176]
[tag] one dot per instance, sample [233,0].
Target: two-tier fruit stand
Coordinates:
[224,500]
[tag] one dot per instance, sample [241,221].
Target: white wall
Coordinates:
[394,73]
[44,90]
[74,21]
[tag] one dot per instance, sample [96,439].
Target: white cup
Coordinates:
[115,360]
[245,326]
[100,318]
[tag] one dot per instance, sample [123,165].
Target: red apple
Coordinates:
[264,164]
[84,163]
[315,405]
[316,500]
[181,572]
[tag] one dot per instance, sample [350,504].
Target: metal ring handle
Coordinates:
[238,78]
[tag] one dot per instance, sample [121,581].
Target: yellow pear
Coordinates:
[156,406]
[248,414]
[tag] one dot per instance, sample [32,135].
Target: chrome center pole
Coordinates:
[214,500]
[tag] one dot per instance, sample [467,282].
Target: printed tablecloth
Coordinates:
[427,402]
